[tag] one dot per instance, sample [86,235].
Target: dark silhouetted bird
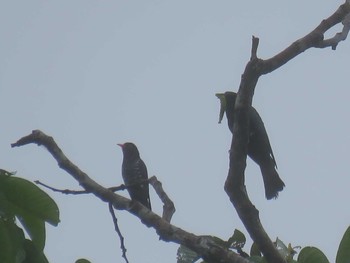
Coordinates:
[259,148]
[134,171]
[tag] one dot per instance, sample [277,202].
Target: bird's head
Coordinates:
[129,150]
[227,100]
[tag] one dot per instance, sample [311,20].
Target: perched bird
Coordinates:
[134,171]
[259,148]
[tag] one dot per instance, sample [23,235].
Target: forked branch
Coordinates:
[256,67]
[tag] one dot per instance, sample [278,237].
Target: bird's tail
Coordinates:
[272,182]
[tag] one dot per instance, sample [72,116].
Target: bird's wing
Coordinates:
[257,126]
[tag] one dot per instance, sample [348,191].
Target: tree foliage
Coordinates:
[23,202]
[307,254]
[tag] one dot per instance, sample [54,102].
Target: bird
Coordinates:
[134,171]
[259,147]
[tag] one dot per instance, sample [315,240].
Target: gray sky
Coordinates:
[96,73]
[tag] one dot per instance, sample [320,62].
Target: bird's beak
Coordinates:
[221,97]
[120,144]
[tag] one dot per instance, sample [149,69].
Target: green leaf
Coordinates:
[31,205]
[11,242]
[343,254]
[35,227]
[26,196]
[254,250]
[4,173]
[6,210]
[33,255]
[312,255]
[237,240]
[282,248]
[82,260]
[186,255]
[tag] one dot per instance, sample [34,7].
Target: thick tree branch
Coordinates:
[206,247]
[234,185]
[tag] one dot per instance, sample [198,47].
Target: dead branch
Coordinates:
[234,185]
[117,229]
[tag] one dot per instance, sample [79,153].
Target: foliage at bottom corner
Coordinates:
[186,255]
[308,254]
[23,202]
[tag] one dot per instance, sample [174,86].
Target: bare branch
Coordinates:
[62,191]
[314,39]
[116,227]
[234,185]
[206,247]
[340,36]
[168,207]
[255,44]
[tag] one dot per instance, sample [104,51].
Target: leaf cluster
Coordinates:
[23,202]
[237,242]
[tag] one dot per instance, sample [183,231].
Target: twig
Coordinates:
[76,192]
[255,44]
[65,191]
[116,227]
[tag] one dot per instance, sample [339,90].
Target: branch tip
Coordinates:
[255,44]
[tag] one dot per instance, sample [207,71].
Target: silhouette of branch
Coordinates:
[62,191]
[168,205]
[340,36]
[208,249]
[314,39]
[116,227]
[234,185]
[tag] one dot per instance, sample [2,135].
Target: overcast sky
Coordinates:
[96,73]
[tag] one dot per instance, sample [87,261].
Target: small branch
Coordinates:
[168,205]
[76,192]
[255,44]
[116,227]
[207,248]
[314,39]
[65,191]
[338,37]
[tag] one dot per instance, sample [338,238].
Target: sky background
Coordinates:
[96,73]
